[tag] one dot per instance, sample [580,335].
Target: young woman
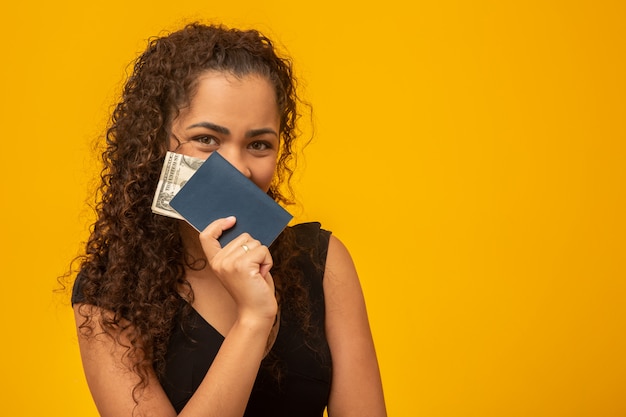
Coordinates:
[171,323]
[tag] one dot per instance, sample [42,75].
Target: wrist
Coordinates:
[255,323]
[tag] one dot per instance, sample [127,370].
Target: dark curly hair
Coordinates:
[134,261]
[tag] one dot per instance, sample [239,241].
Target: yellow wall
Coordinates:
[470,153]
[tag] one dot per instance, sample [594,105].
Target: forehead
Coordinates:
[226,96]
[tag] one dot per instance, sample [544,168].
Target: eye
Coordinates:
[205,140]
[260,146]
[205,143]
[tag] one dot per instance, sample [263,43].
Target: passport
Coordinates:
[216,190]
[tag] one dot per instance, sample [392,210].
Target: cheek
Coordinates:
[263,176]
[174,145]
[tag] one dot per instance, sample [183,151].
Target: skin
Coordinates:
[238,117]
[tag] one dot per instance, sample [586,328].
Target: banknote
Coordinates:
[176,171]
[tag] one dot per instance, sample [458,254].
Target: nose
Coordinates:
[236,159]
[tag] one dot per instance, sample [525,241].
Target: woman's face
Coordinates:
[237,117]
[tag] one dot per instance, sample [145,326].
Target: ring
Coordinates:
[245,248]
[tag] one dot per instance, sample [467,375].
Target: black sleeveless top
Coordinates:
[293,380]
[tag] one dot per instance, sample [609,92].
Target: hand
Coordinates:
[244,273]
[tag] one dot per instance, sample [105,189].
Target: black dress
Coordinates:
[294,379]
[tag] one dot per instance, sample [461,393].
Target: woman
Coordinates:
[169,322]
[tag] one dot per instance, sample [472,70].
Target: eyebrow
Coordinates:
[212,126]
[258,132]
[225,131]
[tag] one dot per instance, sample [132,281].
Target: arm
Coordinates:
[356,387]
[226,387]
[109,379]
[223,392]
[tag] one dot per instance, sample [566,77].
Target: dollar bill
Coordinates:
[176,171]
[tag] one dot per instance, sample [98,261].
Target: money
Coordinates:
[176,171]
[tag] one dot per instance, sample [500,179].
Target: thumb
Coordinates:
[209,236]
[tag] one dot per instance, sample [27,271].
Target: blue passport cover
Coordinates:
[216,190]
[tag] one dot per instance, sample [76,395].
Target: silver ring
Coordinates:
[245,248]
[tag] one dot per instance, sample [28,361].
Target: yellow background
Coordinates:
[471,154]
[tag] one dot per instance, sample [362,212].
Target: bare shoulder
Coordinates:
[356,387]
[338,260]
[342,288]
[105,362]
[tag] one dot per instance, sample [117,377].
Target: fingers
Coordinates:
[243,243]
[243,267]
[243,247]
[209,236]
[246,249]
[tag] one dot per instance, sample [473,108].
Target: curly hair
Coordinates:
[134,262]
